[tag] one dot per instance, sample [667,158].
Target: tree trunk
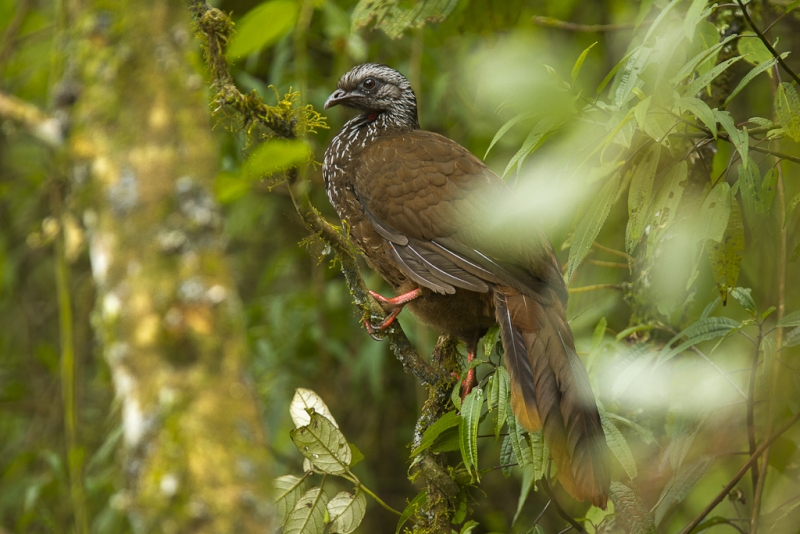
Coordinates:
[168,317]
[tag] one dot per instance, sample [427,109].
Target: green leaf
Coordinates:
[619,447]
[346,511]
[630,510]
[613,71]
[276,155]
[714,214]
[522,450]
[490,340]
[356,453]
[448,420]
[666,203]
[590,224]
[792,319]
[507,456]
[468,430]
[758,69]
[753,50]
[630,78]
[528,479]
[323,444]
[744,298]
[792,338]
[645,434]
[792,205]
[263,26]
[739,138]
[640,195]
[501,393]
[750,189]
[576,69]
[505,128]
[696,12]
[701,57]
[229,186]
[308,515]
[530,144]
[701,81]
[468,527]
[681,483]
[540,454]
[701,330]
[412,509]
[787,108]
[726,256]
[288,490]
[768,187]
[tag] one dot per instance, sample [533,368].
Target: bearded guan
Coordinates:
[428,216]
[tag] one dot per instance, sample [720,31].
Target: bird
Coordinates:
[428,216]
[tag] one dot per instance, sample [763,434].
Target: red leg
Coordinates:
[469,382]
[394,306]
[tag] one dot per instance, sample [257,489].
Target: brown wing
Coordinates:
[441,209]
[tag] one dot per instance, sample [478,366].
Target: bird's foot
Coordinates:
[392,305]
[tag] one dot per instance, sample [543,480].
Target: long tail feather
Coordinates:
[550,389]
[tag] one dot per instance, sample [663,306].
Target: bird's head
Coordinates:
[377,89]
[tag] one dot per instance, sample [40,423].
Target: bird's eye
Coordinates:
[369,83]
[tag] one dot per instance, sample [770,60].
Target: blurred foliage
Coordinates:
[640,151]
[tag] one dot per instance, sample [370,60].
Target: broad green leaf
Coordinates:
[528,479]
[288,490]
[619,447]
[744,298]
[681,483]
[701,81]
[540,454]
[308,515]
[761,121]
[346,511]
[468,527]
[666,203]
[505,128]
[530,144]
[750,189]
[276,155]
[701,57]
[490,340]
[448,420]
[753,50]
[739,138]
[714,214]
[230,186]
[726,256]
[701,330]
[576,69]
[710,307]
[792,338]
[468,430]
[323,444]
[306,401]
[655,26]
[501,392]
[790,209]
[768,187]
[630,78]
[696,12]
[263,26]
[630,509]
[590,224]
[792,319]
[758,69]
[640,196]
[787,108]
[412,509]
[507,456]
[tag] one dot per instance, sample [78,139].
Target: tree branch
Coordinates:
[550,22]
[216,28]
[766,42]
[739,474]
[37,122]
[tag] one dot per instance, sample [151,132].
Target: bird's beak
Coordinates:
[338,96]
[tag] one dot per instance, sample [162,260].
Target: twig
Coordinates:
[550,22]
[564,515]
[613,264]
[12,30]
[36,121]
[615,252]
[595,288]
[751,425]
[538,517]
[766,42]
[721,372]
[739,474]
